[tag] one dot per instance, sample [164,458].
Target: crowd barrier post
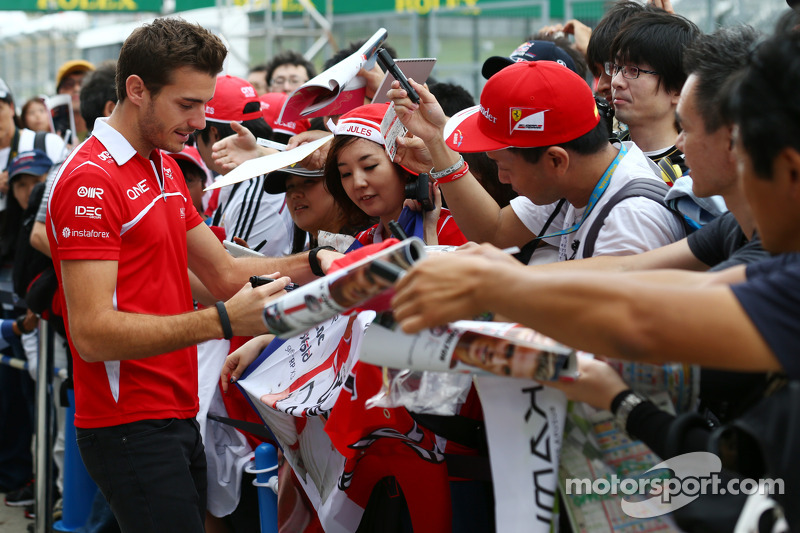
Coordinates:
[266,471]
[44,438]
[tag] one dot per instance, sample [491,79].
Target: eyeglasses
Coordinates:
[280,82]
[628,71]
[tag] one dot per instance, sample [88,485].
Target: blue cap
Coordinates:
[529,51]
[34,162]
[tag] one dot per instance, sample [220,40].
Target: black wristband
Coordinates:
[313,262]
[617,401]
[227,330]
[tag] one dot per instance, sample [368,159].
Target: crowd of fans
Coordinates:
[648,173]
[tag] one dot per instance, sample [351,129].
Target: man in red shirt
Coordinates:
[123,233]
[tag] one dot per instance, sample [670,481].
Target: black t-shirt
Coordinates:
[771,298]
[721,244]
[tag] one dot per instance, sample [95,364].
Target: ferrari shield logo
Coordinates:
[527,119]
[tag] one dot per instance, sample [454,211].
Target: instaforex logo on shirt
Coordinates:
[94,234]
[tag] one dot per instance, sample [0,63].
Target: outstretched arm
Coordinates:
[654,316]
[477,214]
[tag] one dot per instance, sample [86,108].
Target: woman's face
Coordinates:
[36,118]
[311,206]
[371,180]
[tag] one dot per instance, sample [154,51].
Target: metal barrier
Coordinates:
[44,423]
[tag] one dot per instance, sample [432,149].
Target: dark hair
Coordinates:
[350,49]
[97,90]
[659,39]
[485,171]
[257,126]
[453,98]
[598,51]
[763,101]
[713,58]
[333,182]
[289,57]
[28,104]
[589,143]
[175,43]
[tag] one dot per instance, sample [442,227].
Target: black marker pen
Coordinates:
[388,63]
[257,281]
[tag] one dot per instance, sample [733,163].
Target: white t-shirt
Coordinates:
[255,216]
[633,226]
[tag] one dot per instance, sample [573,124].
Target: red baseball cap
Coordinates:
[363,121]
[271,105]
[231,96]
[527,104]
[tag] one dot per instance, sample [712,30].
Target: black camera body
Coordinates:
[421,190]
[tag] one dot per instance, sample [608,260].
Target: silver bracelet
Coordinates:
[624,410]
[449,170]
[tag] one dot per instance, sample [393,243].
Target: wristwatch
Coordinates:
[628,403]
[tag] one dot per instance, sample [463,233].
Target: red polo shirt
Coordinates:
[110,204]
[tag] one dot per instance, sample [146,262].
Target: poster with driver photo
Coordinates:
[63,121]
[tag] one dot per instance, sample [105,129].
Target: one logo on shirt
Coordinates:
[90,192]
[84,211]
[105,156]
[137,190]
[168,172]
[183,212]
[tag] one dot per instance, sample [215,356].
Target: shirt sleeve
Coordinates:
[86,226]
[771,297]
[447,230]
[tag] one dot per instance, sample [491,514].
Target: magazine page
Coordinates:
[417,69]
[524,429]
[61,117]
[266,164]
[294,386]
[303,308]
[505,349]
[336,90]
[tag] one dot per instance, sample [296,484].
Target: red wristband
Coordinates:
[460,173]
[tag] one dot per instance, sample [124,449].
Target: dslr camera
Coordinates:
[421,190]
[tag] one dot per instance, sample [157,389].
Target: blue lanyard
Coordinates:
[598,191]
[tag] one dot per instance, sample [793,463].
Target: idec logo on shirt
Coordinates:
[84,211]
[90,192]
[137,190]
[94,234]
[105,156]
